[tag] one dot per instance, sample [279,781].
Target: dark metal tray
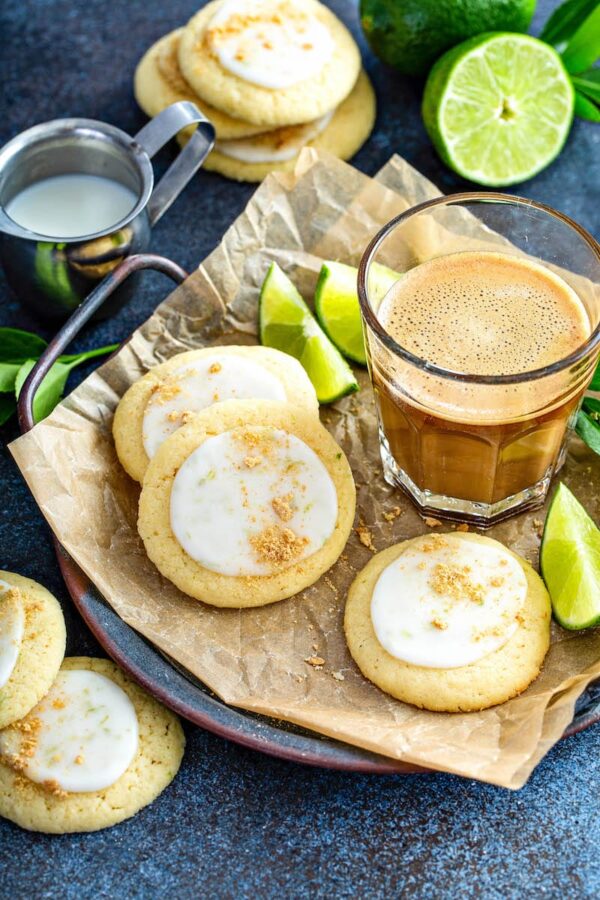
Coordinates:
[161,676]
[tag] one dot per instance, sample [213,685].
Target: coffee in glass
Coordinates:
[480,352]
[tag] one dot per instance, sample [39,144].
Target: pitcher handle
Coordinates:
[78,319]
[159,132]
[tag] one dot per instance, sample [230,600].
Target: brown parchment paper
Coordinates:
[255,659]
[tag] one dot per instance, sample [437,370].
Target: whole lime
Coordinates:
[412,34]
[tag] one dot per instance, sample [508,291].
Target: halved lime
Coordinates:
[287,324]
[498,107]
[570,562]
[337,306]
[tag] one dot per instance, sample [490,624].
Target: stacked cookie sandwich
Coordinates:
[273,76]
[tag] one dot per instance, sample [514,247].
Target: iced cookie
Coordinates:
[158,82]
[449,622]
[93,752]
[271,62]
[341,133]
[165,398]
[248,504]
[32,644]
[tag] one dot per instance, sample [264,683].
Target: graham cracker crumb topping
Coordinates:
[278,545]
[54,788]
[216,367]
[316,661]
[261,444]
[365,537]
[166,392]
[455,582]
[431,522]
[433,542]
[29,730]
[538,527]
[392,514]
[282,507]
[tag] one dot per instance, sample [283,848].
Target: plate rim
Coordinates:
[213,714]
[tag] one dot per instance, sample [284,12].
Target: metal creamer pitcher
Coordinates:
[52,274]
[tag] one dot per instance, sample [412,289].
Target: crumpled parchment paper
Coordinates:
[255,659]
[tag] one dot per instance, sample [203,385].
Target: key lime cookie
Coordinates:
[165,398]
[449,622]
[158,82]
[270,62]
[248,504]
[93,752]
[32,644]
[341,133]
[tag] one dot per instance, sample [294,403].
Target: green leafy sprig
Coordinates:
[19,352]
[588,417]
[573,30]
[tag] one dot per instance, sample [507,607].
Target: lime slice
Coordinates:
[337,306]
[570,562]
[498,107]
[287,324]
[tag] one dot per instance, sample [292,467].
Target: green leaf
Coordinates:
[50,390]
[7,407]
[565,20]
[588,110]
[592,405]
[583,48]
[588,431]
[79,358]
[588,83]
[595,383]
[8,374]
[16,345]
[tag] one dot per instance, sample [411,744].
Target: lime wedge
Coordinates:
[570,562]
[337,306]
[287,324]
[498,107]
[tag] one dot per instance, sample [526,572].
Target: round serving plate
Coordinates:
[160,675]
[185,695]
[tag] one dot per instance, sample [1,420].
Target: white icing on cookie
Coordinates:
[277,147]
[12,628]
[201,383]
[252,501]
[446,602]
[272,43]
[83,735]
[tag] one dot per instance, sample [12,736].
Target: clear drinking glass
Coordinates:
[465,446]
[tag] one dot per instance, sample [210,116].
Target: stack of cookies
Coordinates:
[273,76]
[246,498]
[81,746]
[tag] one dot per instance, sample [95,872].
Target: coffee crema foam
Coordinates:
[485,313]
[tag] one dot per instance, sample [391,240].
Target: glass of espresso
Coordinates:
[481,315]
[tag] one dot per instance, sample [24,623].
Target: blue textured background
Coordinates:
[235,823]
